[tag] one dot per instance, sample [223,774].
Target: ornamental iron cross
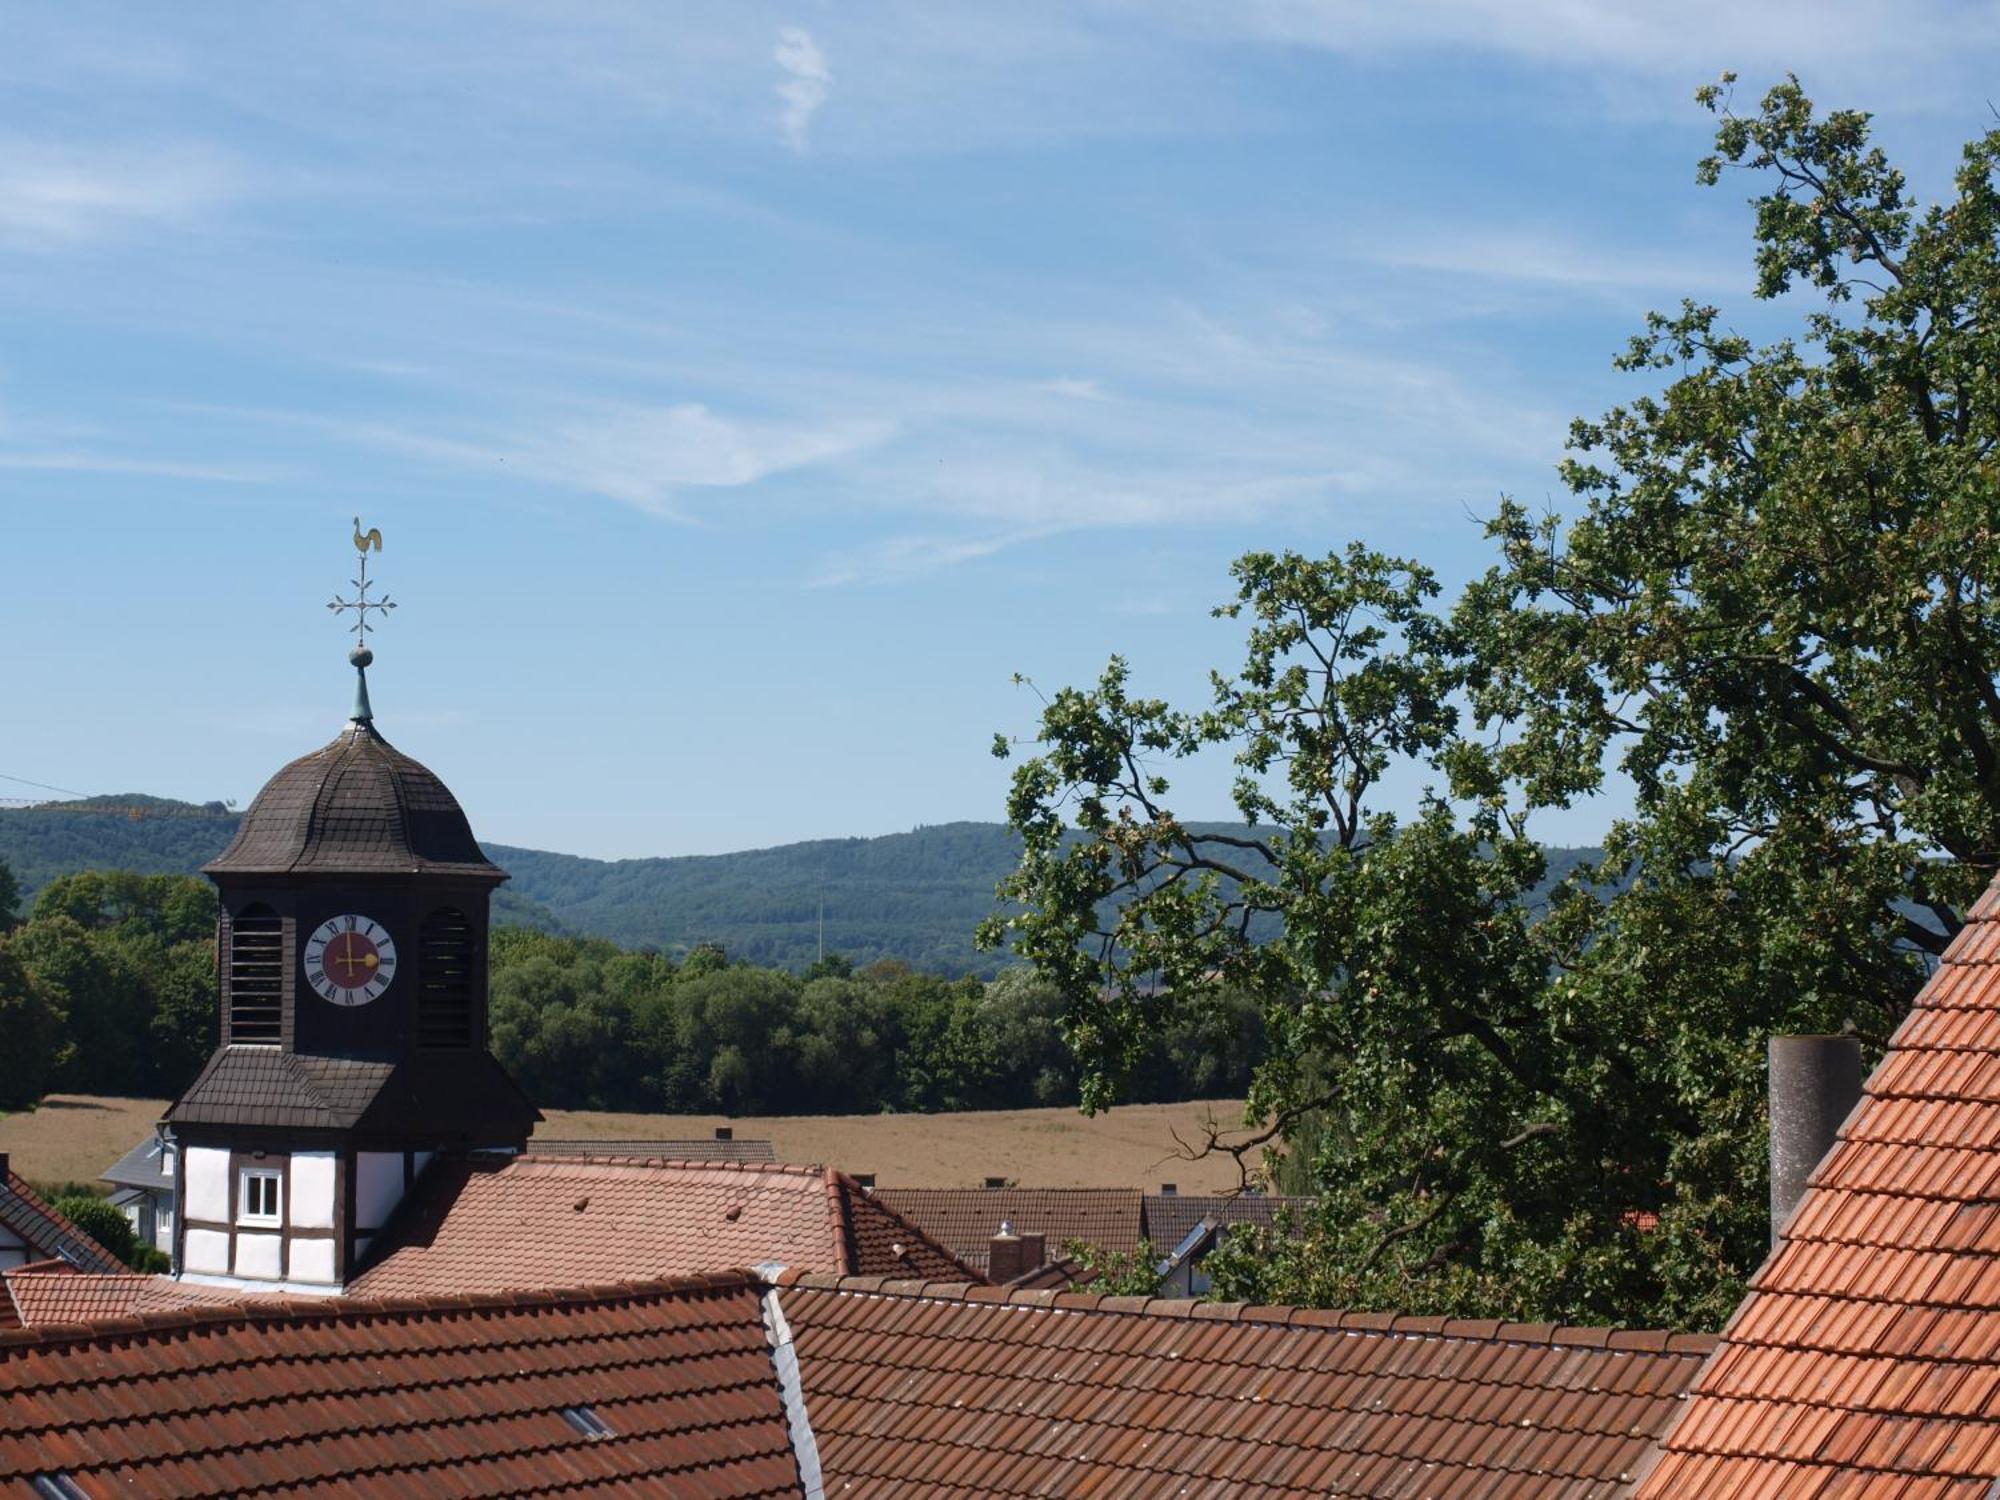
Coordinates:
[361,603]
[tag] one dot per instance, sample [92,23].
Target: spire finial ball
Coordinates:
[360,656]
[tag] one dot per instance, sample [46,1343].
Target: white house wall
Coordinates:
[207,1185]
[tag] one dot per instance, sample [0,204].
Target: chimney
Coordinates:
[1034,1250]
[725,1132]
[1815,1084]
[1006,1255]
[1168,1189]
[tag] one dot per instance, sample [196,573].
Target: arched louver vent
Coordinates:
[444,972]
[256,975]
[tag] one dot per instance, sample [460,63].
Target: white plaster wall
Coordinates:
[206,1250]
[261,1255]
[378,1187]
[312,1189]
[208,1183]
[312,1260]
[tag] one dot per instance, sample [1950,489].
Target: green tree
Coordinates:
[1773,613]
[31,1033]
[103,1222]
[10,897]
[103,999]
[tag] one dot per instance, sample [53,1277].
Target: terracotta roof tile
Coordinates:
[1862,1364]
[48,1234]
[43,1293]
[461,1397]
[490,1225]
[966,1219]
[925,1390]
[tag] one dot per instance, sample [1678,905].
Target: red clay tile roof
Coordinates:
[460,1396]
[533,1222]
[951,1390]
[1866,1359]
[45,1292]
[48,1233]
[1170,1217]
[966,1219]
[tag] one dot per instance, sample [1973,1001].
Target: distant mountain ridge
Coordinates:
[914,896]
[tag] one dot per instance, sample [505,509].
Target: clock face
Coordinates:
[350,960]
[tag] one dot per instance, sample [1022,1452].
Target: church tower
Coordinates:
[353,945]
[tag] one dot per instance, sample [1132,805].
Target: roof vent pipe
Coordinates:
[1815,1084]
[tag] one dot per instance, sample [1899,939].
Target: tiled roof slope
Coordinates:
[962,1391]
[535,1221]
[1170,1216]
[45,1292]
[695,1150]
[1866,1359]
[460,1397]
[47,1232]
[966,1219]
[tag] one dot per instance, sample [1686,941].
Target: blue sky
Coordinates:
[746,391]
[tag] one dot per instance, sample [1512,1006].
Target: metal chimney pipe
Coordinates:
[1815,1084]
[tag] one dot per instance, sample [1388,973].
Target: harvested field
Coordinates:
[73,1137]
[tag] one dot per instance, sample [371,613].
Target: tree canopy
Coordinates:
[1770,613]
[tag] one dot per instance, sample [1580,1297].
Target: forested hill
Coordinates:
[915,896]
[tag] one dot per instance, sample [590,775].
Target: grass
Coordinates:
[73,1137]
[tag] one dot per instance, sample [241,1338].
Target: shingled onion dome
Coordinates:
[357,806]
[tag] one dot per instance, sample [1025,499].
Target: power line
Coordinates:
[66,791]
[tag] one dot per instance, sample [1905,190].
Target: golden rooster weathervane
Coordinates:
[361,603]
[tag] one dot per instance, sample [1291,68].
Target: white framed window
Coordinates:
[260,1199]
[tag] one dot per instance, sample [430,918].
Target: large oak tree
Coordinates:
[1771,609]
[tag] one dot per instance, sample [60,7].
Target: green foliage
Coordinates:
[32,1033]
[125,965]
[583,1024]
[1120,1273]
[103,1222]
[10,897]
[1773,613]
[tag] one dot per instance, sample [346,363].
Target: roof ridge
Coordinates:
[1401,1325]
[280,1308]
[619,1159]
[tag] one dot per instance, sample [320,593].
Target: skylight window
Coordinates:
[58,1487]
[585,1421]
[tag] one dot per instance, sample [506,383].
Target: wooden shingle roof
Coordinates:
[355,806]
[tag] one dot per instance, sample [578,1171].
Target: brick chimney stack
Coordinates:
[1010,1255]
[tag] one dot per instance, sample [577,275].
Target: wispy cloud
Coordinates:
[51,197]
[1075,388]
[156,468]
[647,457]
[896,558]
[805,86]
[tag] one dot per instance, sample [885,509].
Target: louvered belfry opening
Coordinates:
[447,946]
[256,975]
